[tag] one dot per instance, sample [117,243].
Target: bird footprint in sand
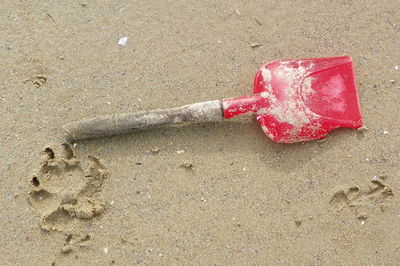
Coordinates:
[65,194]
[360,200]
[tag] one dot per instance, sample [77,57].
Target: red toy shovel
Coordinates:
[294,100]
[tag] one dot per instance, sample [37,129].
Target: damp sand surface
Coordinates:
[220,193]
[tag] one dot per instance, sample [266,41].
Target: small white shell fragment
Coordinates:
[362,129]
[362,222]
[123,41]
[397,67]
[255,44]
[180,152]
[105,250]
[385,132]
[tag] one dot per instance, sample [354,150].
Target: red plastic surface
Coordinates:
[301,99]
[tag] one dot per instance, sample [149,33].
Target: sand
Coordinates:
[208,194]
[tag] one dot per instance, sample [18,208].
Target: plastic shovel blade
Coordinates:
[306,98]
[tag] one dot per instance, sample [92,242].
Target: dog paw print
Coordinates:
[65,194]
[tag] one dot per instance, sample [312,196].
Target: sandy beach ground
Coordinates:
[212,194]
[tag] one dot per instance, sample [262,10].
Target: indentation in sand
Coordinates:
[362,201]
[66,195]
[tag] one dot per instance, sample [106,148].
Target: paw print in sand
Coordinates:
[362,201]
[66,195]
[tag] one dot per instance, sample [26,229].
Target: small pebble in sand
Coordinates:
[66,249]
[105,250]
[396,67]
[258,21]
[123,41]
[237,12]
[187,165]
[362,129]
[155,150]
[385,132]
[180,152]
[255,44]
[392,81]
[362,217]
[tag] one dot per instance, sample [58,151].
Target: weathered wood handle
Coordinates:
[123,123]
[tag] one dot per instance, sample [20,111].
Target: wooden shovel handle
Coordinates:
[124,123]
